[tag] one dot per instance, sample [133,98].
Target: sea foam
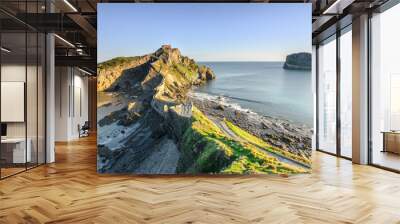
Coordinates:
[220,99]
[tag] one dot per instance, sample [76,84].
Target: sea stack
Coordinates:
[298,61]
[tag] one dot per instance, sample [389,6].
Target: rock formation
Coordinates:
[156,85]
[298,61]
[160,131]
[166,62]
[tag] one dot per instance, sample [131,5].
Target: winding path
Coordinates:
[231,134]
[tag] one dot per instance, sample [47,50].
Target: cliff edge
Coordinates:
[165,63]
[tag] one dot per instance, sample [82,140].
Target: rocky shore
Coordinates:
[277,132]
[151,123]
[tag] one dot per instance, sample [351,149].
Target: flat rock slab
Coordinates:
[163,160]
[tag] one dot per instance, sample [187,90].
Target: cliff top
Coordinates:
[165,68]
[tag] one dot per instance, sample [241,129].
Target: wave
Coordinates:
[233,97]
[226,101]
[243,99]
[221,99]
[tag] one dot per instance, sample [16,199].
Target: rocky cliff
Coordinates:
[157,113]
[159,129]
[298,61]
[166,64]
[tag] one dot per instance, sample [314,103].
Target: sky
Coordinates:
[205,32]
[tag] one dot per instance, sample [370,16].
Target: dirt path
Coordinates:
[231,134]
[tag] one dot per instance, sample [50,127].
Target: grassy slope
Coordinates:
[116,61]
[177,79]
[260,143]
[206,149]
[189,72]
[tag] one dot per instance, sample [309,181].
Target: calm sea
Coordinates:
[265,88]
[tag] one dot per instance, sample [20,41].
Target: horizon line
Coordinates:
[200,61]
[207,60]
[260,60]
[235,61]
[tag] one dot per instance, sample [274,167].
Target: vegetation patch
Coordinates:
[206,149]
[118,61]
[189,72]
[262,144]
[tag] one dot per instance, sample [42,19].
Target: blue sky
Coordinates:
[205,32]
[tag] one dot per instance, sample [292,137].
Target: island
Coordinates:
[298,61]
[151,122]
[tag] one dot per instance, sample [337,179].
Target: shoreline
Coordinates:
[278,132]
[282,133]
[229,101]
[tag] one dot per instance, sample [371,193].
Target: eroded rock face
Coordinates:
[205,73]
[157,112]
[166,63]
[110,71]
[298,61]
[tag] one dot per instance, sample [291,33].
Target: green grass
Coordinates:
[189,72]
[178,77]
[116,61]
[262,144]
[206,149]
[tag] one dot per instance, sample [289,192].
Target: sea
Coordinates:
[264,88]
